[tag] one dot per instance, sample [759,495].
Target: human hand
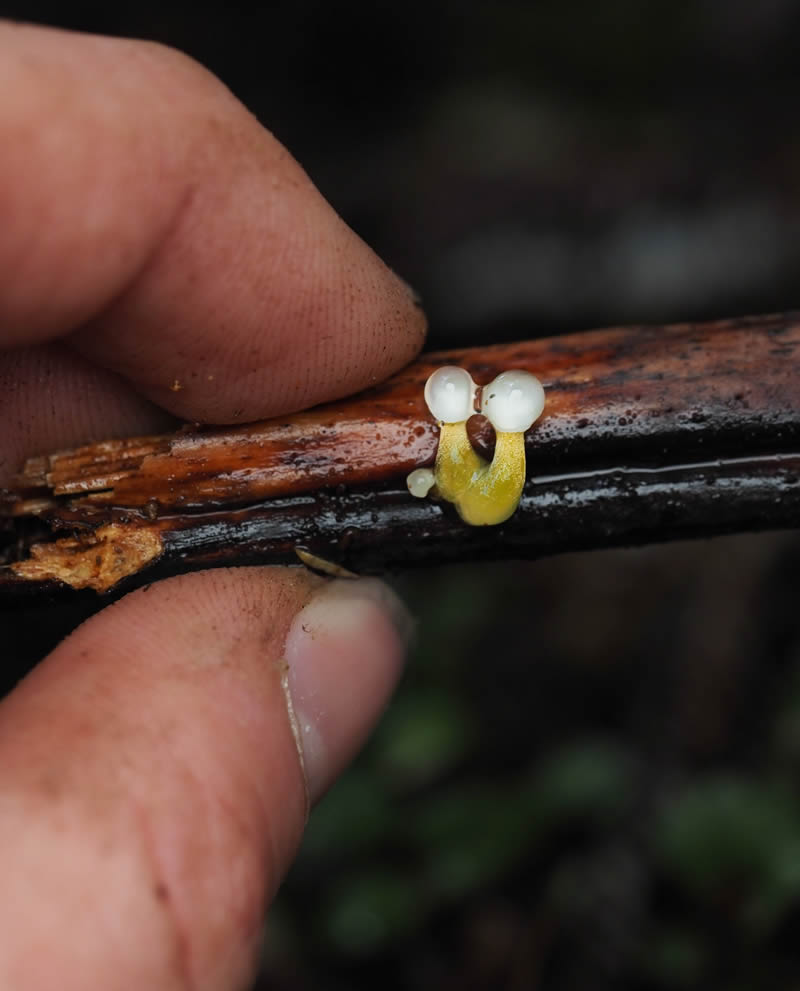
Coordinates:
[162,256]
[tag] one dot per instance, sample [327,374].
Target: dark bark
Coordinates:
[649,433]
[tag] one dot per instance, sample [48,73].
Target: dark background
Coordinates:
[588,778]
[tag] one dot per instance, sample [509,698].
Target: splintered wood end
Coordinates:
[95,559]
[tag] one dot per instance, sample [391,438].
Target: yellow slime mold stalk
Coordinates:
[495,490]
[457,464]
[484,494]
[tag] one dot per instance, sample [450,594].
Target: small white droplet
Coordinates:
[420,482]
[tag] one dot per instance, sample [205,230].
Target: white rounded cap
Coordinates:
[450,394]
[513,401]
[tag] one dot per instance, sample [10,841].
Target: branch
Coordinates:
[649,433]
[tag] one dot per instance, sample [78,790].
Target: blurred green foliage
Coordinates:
[735,841]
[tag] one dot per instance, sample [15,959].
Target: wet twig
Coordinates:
[648,434]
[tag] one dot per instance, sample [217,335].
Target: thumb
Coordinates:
[151,790]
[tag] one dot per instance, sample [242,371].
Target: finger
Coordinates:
[143,204]
[51,398]
[151,791]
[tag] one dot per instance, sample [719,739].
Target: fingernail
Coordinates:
[344,653]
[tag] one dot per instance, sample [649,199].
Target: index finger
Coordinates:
[151,222]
